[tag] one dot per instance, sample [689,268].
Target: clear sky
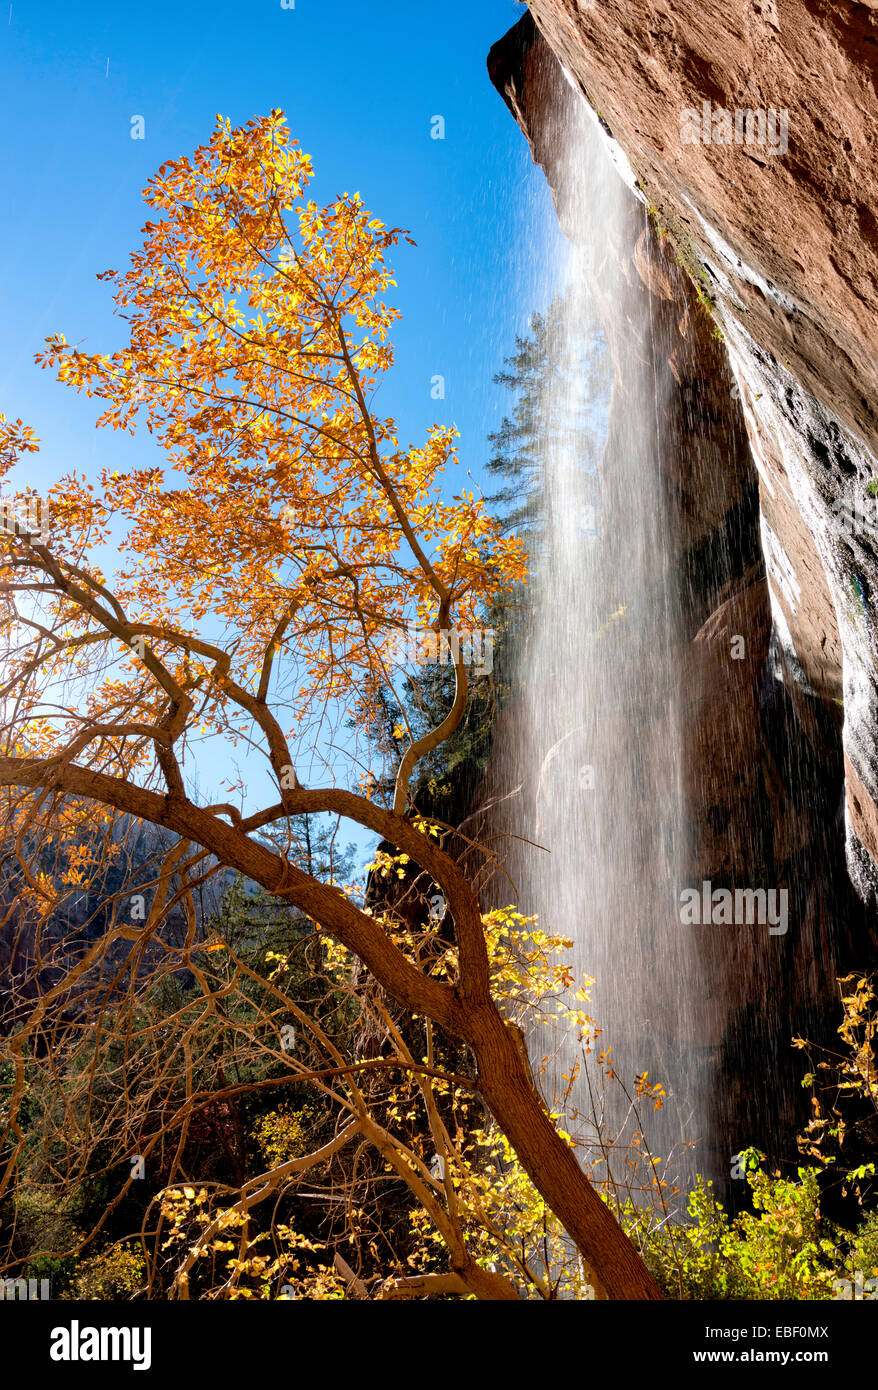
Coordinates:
[360,84]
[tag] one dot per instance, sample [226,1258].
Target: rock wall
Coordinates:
[780,234]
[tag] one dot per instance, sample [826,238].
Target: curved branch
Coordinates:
[255,1191]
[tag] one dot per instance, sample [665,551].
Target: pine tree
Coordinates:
[560,376]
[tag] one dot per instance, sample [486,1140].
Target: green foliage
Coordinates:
[783,1249]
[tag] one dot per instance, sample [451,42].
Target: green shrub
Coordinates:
[784,1248]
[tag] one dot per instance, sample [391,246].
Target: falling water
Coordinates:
[597,738]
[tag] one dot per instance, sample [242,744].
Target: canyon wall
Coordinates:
[780,235]
[761,274]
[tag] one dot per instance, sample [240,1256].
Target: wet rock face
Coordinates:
[801,209]
[753,133]
[819,541]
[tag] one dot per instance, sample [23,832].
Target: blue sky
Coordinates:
[360,84]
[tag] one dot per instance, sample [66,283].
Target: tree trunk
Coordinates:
[616,1269]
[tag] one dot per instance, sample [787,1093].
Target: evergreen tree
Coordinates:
[560,377]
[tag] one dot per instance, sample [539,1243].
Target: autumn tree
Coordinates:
[265,569]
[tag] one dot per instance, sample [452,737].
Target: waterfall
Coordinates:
[595,738]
